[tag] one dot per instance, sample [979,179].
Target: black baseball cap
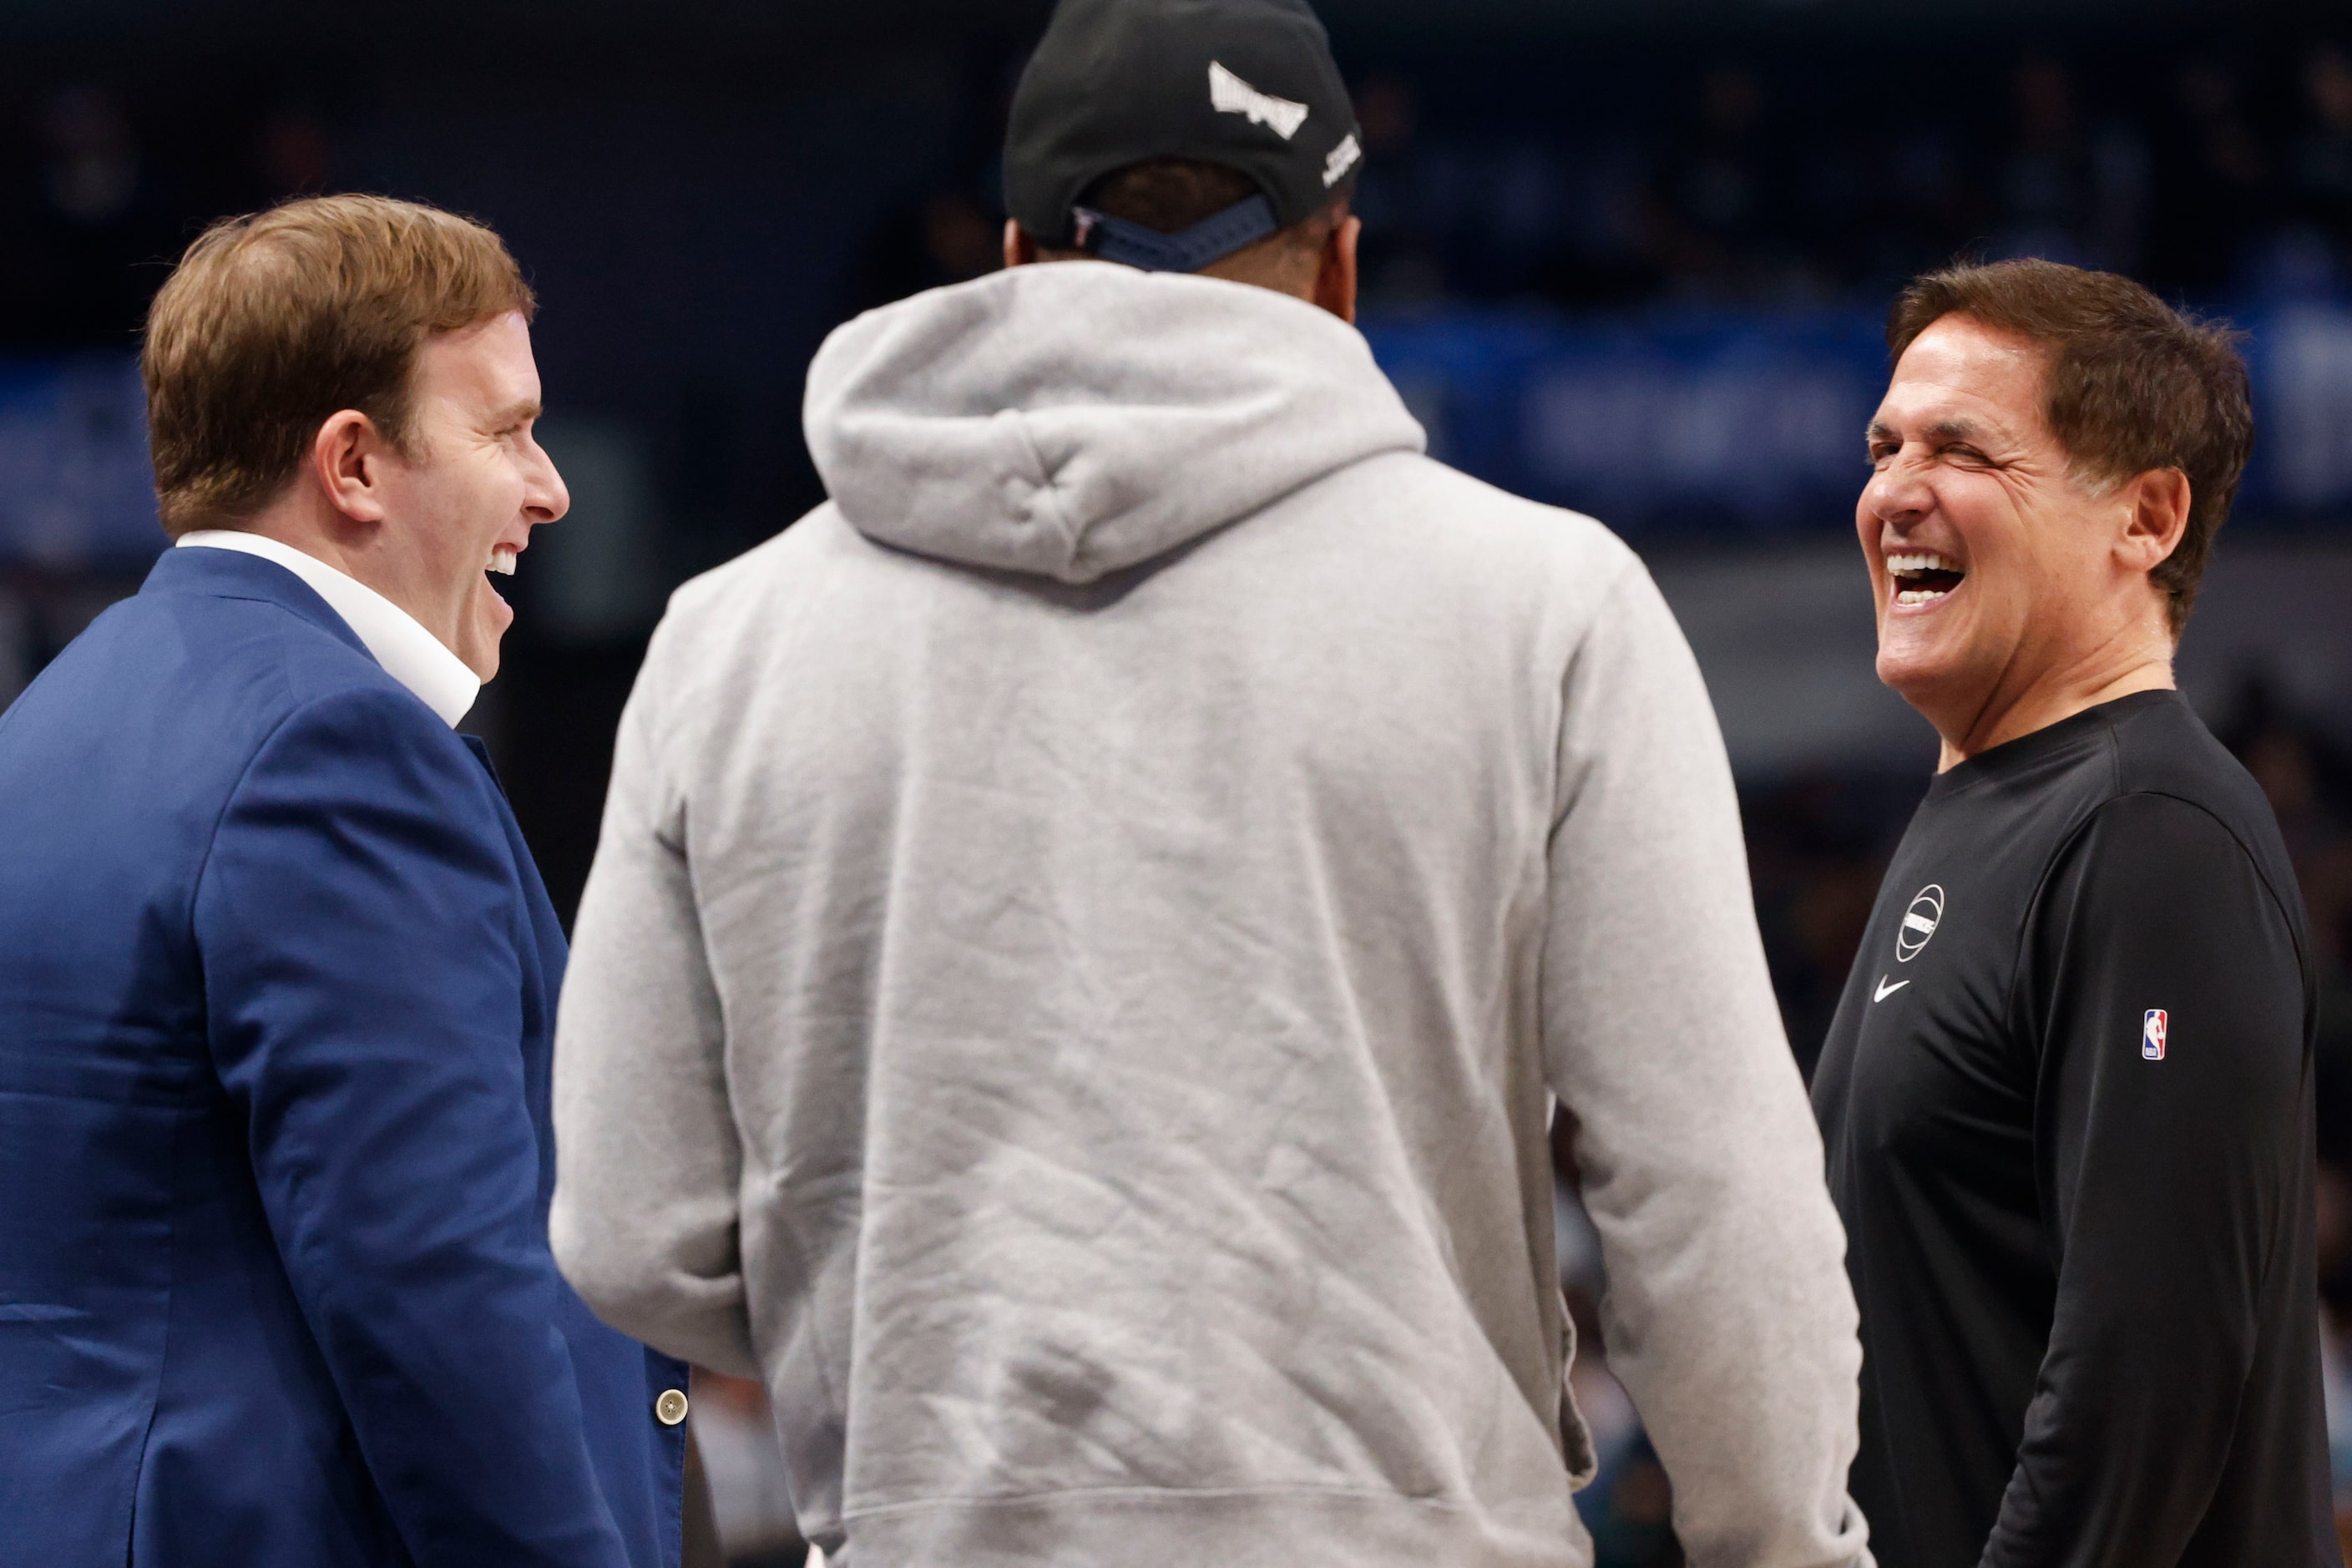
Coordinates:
[1249,84]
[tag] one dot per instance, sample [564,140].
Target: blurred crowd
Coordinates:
[1755,183]
[2211,172]
[2233,177]
[101,189]
[2309,783]
[1787,182]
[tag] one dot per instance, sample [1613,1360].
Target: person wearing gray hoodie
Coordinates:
[1092,924]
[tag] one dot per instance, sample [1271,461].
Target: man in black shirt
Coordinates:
[2067,1097]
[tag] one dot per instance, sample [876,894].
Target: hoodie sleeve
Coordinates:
[647,1162]
[1729,1315]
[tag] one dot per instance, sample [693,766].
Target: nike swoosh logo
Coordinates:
[1884,990]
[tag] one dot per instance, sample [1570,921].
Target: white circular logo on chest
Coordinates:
[1919,923]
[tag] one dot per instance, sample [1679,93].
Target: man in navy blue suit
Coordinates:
[276,974]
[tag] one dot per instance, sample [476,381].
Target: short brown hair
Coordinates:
[276,320]
[2130,385]
[1170,195]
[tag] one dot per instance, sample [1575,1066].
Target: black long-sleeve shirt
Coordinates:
[2068,1104]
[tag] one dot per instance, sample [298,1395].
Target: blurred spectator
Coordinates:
[2309,786]
[1721,196]
[2218,181]
[2310,789]
[2322,157]
[294,155]
[752,1511]
[1589,177]
[1909,202]
[1397,198]
[2313,253]
[90,216]
[1817,847]
[2069,193]
[944,239]
[92,172]
[1628,1507]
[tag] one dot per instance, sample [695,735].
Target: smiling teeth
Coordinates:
[1918,595]
[1927,560]
[502,562]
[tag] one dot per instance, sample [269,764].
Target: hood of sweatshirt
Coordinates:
[1077,418]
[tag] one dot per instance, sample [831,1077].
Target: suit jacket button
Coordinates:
[670,1408]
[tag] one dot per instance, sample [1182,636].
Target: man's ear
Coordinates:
[1335,273]
[2158,514]
[347,461]
[1020,250]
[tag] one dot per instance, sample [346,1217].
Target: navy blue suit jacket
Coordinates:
[277,980]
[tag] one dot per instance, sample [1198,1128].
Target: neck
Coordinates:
[304,521]
[2057,694]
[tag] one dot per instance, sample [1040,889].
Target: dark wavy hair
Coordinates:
[2130,385]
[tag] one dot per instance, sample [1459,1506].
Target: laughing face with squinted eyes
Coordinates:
[2049,464]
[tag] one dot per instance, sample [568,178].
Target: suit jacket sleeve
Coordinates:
[2168,1178]
[648,1159]
[358,921]
[1729,1316]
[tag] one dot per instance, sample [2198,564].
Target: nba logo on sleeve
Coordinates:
[2151,1036]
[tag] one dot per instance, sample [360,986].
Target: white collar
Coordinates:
[409,653]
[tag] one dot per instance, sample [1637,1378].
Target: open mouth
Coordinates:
[1922,577]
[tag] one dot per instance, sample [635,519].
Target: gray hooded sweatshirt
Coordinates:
[1089,927]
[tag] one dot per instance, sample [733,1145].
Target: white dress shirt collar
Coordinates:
[409,653]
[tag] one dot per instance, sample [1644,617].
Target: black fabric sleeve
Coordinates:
[2168,1182]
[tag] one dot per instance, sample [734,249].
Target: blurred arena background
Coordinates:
[1629,257]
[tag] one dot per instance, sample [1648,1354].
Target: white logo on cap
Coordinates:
[1229,94]
[1343,158]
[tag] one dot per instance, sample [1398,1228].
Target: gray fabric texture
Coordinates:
[1089,927]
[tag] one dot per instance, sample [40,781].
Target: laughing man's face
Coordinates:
[478,485]
[1987,566]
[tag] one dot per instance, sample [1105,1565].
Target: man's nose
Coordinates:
[548,497]
[1898,492]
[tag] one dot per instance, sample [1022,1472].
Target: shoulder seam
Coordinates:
[2066,846]
[1626,567]
[296,615]
[2285,908]
[245,771]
